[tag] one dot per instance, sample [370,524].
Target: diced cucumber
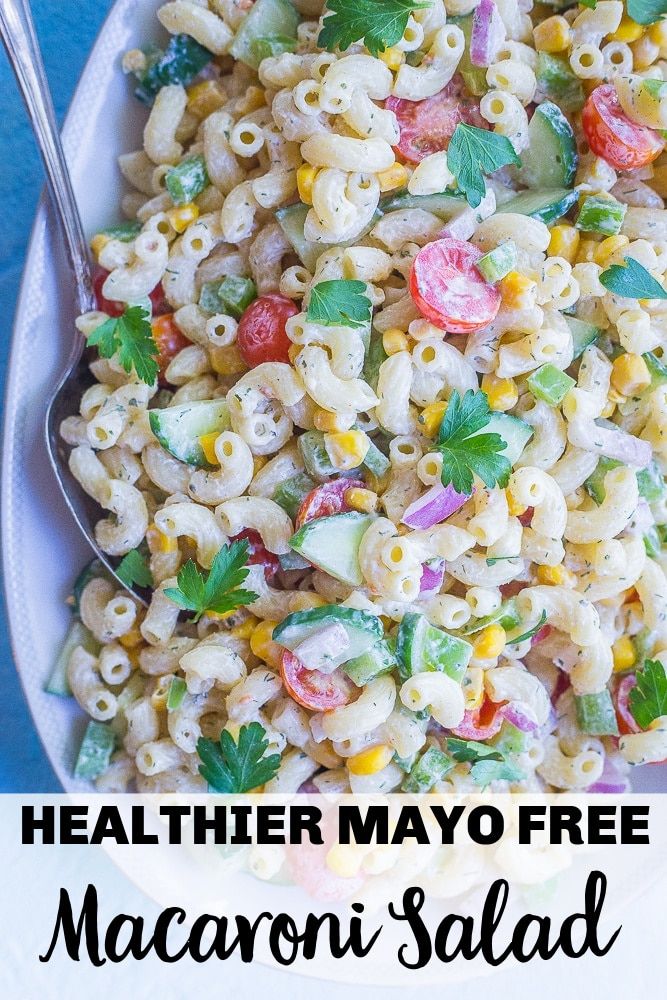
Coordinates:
[652,543]
[179,63]
[657,369]
[123,231]
[583,334]
[601,215]
[550,384]
[650,480]
[363,629]
[98,744]
[179,428]
[557,82]
[332,544]
[77,635]
[271,45]
[550,159]
[498,262]
[445,205]
[315,457]
[375,461]
[176,693]
[231,296]
[291,494]
[266,17]
[292,218]
[421,646]
[510,739]
[474,77]
[515,433]
[506,615]
[547,206]
[595,714]
[292,560]
[375,357]
[431,767]
[379,659]
[186,181]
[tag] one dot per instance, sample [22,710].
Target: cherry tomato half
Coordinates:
[326,499]
[261,335]
[448,289]
[169,340]
[626,720]
[613,136]
[481,723]
[312,688]
[427,126]
[258,554]
[111,308]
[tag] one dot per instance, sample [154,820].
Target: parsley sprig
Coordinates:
[231,767]
[339,303]
[474,152]
[487,763]
[632,281]
[646,11]
[648,699]
[218,590]
[380,23]
[130,336]
[133,568]
[465,451]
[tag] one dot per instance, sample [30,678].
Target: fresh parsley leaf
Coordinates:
[339,303]
[474,152]
[487,763]
[217,590]
[646,11]
[131,337]
[133,568]
[648,699]
[655,88]
[464,451]
[591,4]
[632,281]
[231,767]
[380,23]
[486,771]
[531,631]
[496,559]
[464,751]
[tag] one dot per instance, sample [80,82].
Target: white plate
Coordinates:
[42,548]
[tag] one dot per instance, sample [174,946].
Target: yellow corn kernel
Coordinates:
[206,97]
[394,340]
[394,177]
[293,352]
[183,216]
[132,638]
[98,243]
[489,643]
[644,53]
[430,418]
[608,410]
[305,178]
[346,449]
[586,251]
[564,242]
[393,58]
[377,483]
[623,652]
[552,34]
[513,287]
[158,542]
[365,501]
[658,34]
[630,374]
[263,645]
[627,31]
[258,462]
[556,576]
[161,692]
[333,422]
[502,393]
[603,251]
[344,860]
[473,688]
[227,360]
[207,442]
[371,760]
[245,628]
[514,508]
[305,601]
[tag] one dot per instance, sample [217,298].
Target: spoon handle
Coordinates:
[20,40]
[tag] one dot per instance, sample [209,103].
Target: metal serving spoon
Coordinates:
[20,40]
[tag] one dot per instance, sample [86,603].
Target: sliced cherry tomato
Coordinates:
[312,688]
[560,687]
[481,723]
[448,289]
[613,136]
[527,516]
[326,499]
[261,334]
[512,588]
[111,308]
[258,554]
[626,720]
[169,340]
[427,126]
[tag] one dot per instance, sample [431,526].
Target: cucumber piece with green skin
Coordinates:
[595,714]
[421,646]
[445,205]
[506,615]
[550,159]
[315,457]
[546,206]
[583,334]
[77,635]
[266,17]
[650,480]
[431,767]
[332,544]
[291,220]
[657,370]
[375,461]
[363,629]
[510,739]
[556,81]
[97,746]
[292,560]
[178,428]
[515,433]
[291,494]
[378,660]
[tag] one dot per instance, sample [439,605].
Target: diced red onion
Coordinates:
[519,716]
[642,518]
[487,34]
[611,781]
[437,504]
[308,788]
[433,573]
[542,634]
[623,703]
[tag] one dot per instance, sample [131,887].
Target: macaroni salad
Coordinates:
[379,414]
